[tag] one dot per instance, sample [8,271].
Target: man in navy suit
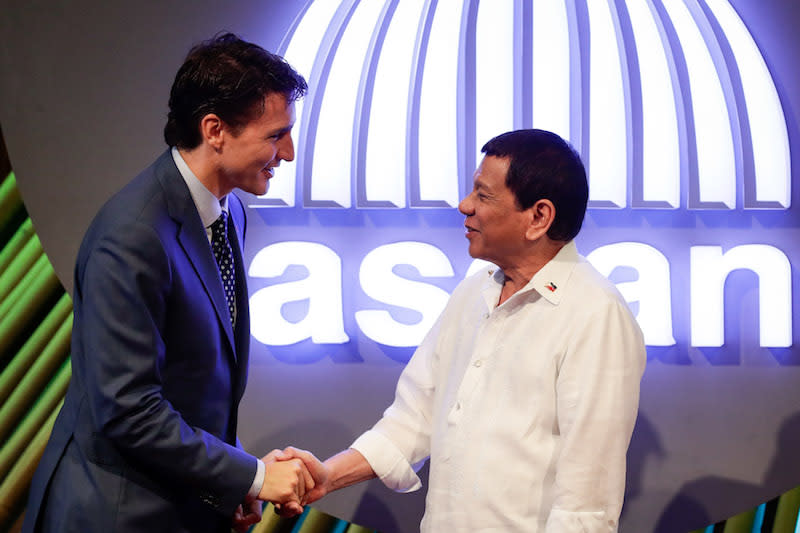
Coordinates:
[146,439]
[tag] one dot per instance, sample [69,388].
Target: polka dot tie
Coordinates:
[224,256]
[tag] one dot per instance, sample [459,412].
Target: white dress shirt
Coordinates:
[525,409]
[209,207]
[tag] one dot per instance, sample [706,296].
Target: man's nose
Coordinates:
[465,205]
[286,149]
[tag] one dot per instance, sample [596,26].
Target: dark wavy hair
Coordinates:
[229,77]
[544,166]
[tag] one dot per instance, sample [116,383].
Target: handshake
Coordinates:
[292,479]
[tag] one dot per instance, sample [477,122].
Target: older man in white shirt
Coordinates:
[525,392]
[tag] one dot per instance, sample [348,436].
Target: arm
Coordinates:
[399,443]
[394,446]
[597,402]
[346,468]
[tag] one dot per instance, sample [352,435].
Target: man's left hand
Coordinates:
[246,515]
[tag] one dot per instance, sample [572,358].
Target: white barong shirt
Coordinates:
[525,409]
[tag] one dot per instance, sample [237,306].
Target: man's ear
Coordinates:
[212,130]
[543,213]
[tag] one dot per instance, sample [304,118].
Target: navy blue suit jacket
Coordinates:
[146,439]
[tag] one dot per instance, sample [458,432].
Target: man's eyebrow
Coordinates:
[480,184]
[284,129]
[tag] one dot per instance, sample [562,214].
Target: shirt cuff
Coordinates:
[258,482]
[590,521]
[387,462]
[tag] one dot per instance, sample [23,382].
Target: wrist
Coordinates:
[258,482]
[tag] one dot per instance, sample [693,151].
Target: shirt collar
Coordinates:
[553,276]
[549,281]
[208,206]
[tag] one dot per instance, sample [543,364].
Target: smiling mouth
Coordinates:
[268,172]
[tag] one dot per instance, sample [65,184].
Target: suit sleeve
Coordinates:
[124,284]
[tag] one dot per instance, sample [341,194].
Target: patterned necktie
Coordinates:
[224,256]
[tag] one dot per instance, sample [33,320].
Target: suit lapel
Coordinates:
[194,241]
[242,334]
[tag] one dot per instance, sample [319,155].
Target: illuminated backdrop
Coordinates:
[677,117]
[666,112]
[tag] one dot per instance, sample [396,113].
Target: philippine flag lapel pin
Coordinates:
[551,287]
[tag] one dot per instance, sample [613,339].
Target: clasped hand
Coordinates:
[292,478]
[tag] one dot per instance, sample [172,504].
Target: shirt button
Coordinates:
[477,363]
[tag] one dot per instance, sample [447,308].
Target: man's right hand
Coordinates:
[285,483]
[318,471]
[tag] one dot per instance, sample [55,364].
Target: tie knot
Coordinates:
[220,226]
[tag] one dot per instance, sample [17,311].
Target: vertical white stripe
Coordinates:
[333,146]
[715,154]
[300,53]
[438,152]
[608,167]
[764,112]
[660,145]
[551,67]
[386,143]
[494,72]
[709,269]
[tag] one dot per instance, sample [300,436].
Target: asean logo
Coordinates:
[670,104]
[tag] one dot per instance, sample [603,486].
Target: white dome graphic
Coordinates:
[669,102]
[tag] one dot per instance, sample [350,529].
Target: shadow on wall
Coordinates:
[645,445]
[379,508]
[389,511]
[694,507]
[697,504]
